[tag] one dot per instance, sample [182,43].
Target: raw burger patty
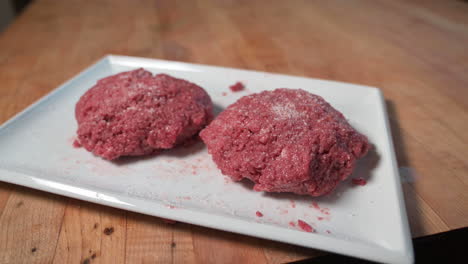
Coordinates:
[135,113]
[285,141]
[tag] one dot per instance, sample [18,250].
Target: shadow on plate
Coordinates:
[364,168]
[190,148]
[245,183]
[217,109]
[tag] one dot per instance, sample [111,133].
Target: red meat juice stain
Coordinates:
[283,211]
[237,87]
[325,211]
[359,181]
[292,224]
[224,93]
[187,198]
[320,218]
[304,226]
[293,204]
[259,214]
[171,206]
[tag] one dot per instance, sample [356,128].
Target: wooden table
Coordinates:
[416,52]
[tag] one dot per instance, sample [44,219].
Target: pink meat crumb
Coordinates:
[315,205]
[292,224]
[304,226]
[76,144]
[359,181]
[328,232]
[237,87]
[259,214]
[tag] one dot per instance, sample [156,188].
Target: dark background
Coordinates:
[9,9]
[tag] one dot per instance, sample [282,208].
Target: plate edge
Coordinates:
[398,184]
[127,203]
[120,59]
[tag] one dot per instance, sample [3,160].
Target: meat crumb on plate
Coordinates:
[304,226]
[76,144]
[359,181]
[237,87]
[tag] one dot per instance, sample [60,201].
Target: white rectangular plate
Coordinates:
[184,184]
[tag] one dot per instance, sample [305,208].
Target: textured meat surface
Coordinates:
[135,113]
[285,140]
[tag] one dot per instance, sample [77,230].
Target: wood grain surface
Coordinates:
[415,51]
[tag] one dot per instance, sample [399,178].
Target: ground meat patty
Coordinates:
[135,113]
[285,140]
